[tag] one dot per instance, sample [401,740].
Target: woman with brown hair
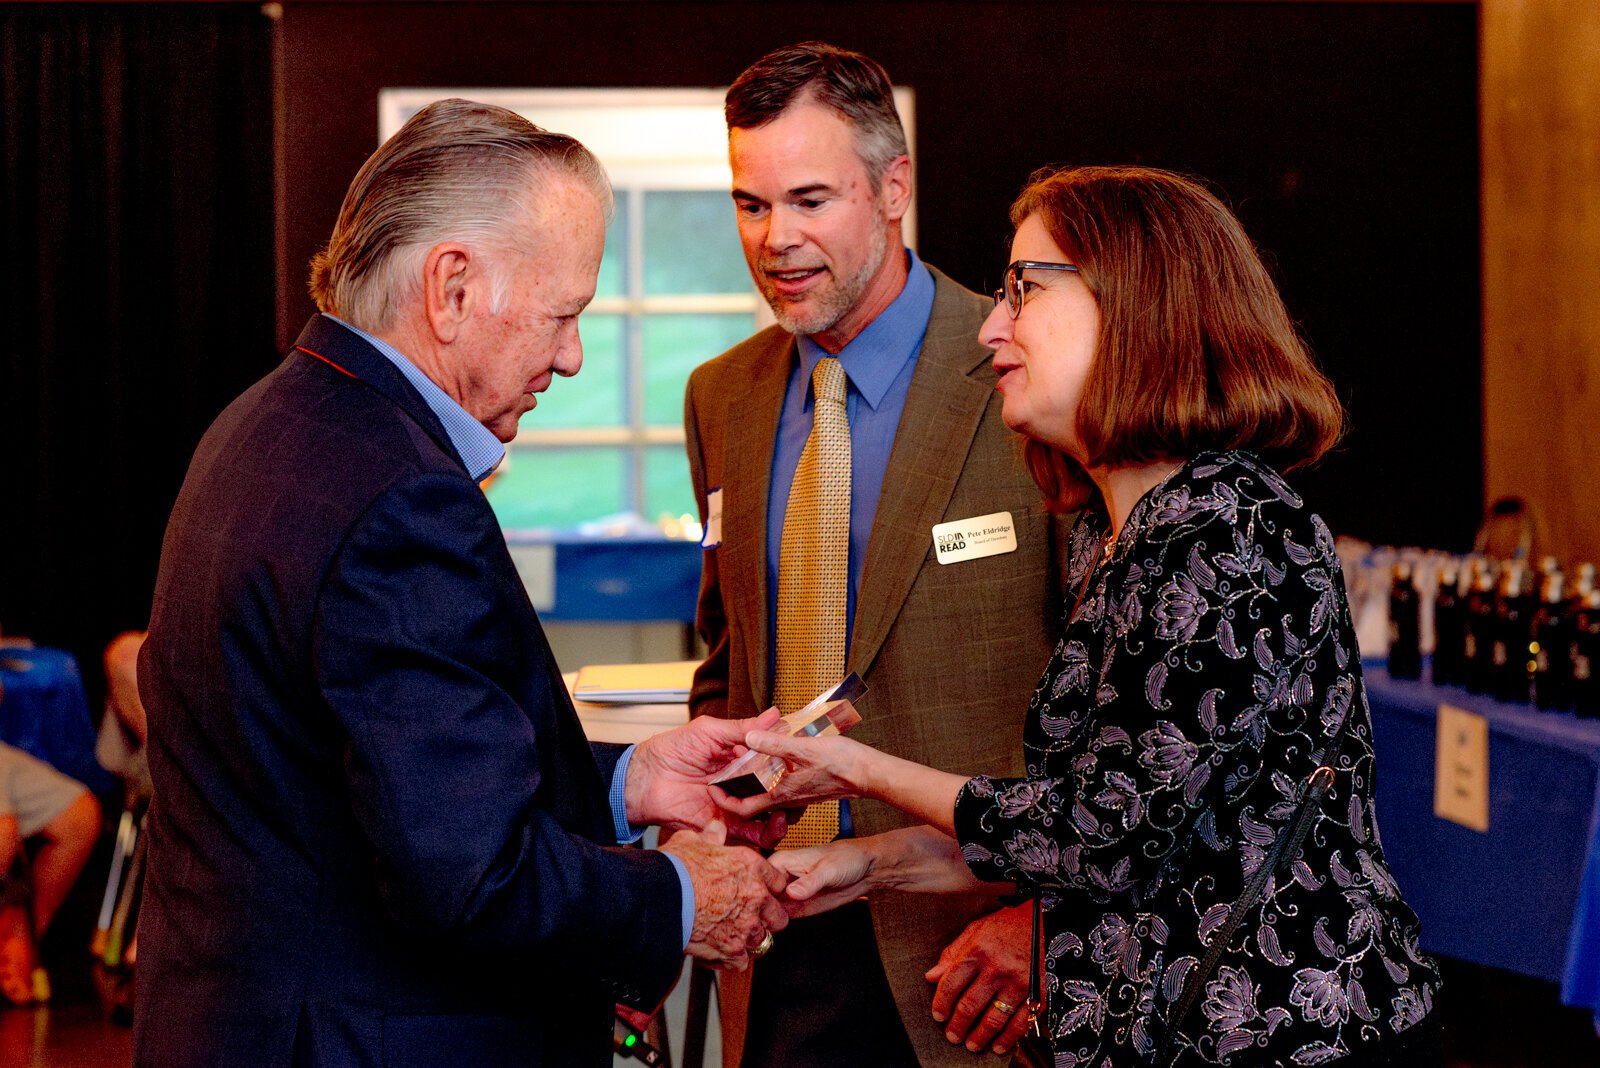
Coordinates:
[1197,820]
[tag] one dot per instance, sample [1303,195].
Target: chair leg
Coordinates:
[123,917]
[127,833]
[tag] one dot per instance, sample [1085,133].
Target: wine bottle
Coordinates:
[1447,625]
[1551,647]
[1405,651]
[1586,656]
[1510,635]
[1477,669]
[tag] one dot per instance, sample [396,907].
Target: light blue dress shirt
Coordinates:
[481,452]
[879,363]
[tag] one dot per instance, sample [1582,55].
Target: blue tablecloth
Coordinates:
[627,578]
[43,710]
[1524,896]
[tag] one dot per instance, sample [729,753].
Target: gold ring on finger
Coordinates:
[764,945]
[1005,1007]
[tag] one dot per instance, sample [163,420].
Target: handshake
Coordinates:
[740,896]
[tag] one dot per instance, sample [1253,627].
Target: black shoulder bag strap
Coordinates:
[1284,849]
[1033,1048]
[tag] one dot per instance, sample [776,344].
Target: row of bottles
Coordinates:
[1519,634]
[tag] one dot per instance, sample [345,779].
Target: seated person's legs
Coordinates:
[68,840]
[39,800]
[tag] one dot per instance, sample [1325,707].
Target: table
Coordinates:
[622,578]
[45,712]
[624,724]
[1524,896]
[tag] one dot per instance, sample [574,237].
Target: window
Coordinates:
[673,291]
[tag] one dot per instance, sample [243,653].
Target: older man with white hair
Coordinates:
[379,835]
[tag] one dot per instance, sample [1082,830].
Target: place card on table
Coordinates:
[1461,768]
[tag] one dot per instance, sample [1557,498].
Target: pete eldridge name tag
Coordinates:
[975,538]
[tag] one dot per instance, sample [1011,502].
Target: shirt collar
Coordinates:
[478,449]
[874,358]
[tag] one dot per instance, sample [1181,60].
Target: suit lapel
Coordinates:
[752,430]
[943,410]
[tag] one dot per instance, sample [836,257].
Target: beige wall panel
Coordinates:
[1540,97]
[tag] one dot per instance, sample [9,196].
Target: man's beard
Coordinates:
[823,310]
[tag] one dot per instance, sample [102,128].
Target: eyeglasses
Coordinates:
[1015,293]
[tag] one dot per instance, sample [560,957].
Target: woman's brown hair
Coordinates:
[1196,350]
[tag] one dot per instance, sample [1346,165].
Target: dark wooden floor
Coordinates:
[1493,1020]
[63,1036]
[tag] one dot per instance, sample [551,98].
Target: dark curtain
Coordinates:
[136,211]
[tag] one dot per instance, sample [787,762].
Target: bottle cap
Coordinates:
[1514,580]
[1584,580]
[1483,578]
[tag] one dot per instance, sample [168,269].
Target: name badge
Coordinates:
[713,535]
[973,539]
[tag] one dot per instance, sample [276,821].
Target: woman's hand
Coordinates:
[918,860]
[819,768]
[825,877]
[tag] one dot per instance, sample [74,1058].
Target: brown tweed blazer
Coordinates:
[951,652]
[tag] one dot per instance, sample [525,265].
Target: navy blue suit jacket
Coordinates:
[379,836]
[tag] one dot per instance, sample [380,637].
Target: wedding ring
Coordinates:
[1004,1006]
[761,949]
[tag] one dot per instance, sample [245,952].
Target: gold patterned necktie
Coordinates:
[814,575]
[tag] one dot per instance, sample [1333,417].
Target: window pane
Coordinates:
[594,396]
[554,486]
[614,264]
[673,346]
[691,244]
[667,486]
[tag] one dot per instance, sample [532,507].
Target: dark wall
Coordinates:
[136,243]
[1344,135]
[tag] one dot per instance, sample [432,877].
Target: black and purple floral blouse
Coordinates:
[1212,654]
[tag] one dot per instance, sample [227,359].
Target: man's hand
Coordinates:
[668,774]
[734,902]
[987,961]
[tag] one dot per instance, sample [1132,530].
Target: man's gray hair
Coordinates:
[852,84]
[456,171]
